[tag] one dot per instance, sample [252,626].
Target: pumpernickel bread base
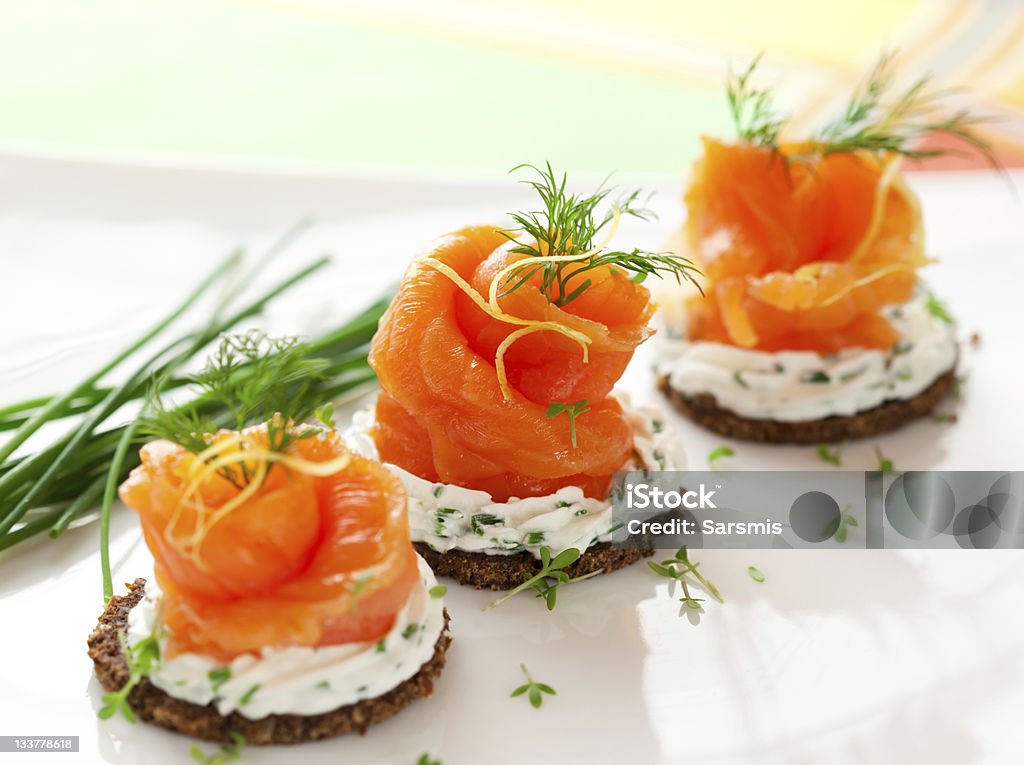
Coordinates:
[889,415]
[503,572]
[153,705]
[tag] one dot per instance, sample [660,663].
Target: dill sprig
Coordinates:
[874,119]
[874,123]
[567,226]
[254,378]
[753,112]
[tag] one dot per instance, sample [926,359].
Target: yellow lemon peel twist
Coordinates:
[206,464]
[528,326]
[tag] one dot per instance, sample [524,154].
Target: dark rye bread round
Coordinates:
[153,705]
[889,415]
[503,572]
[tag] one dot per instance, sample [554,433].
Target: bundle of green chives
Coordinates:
[49,489]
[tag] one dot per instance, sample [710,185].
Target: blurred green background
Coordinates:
[409,86]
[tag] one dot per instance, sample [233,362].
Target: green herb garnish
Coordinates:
[227,752]
[884,463]
[718,452]
[755,573]
[256,378]
[218,677]
[739,379]
[845,520]
[832,456]
[816,378]
[572,411]
[355,589]
[438,591]
[938,309]
[873,119]
[247,696]
[481,520]
[426,760]
[753,112]
[325,415]
[550,577]
[534,537]
[567,227]
[534,691]
[677,569]
[141,659]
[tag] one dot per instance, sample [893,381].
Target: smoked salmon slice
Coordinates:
[303,561]
[442,413]
[800,250]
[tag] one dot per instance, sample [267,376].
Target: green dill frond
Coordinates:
[569,225]
[874,122]
[874,119]
[753,112]
[254,378]
[186,427]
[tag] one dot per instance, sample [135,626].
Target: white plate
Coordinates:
[846,657]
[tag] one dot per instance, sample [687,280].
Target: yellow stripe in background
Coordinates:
[833,33]
[920,42]
[687,42]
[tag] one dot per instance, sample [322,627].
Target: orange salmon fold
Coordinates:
[285,566]
[800,251]
[441,414]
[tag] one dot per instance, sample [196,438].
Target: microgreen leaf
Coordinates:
[227,752]
[438,591]
[572,411]
[425,759]
[141,659]
[845,520]
[677,569]
[325,415]
[535,691]
[884,463]
[548,579]
[755,573]
[832,456]
[938,309]
[718,452]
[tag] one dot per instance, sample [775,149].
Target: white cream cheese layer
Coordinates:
[300,680]
[796,386]
[448,517]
